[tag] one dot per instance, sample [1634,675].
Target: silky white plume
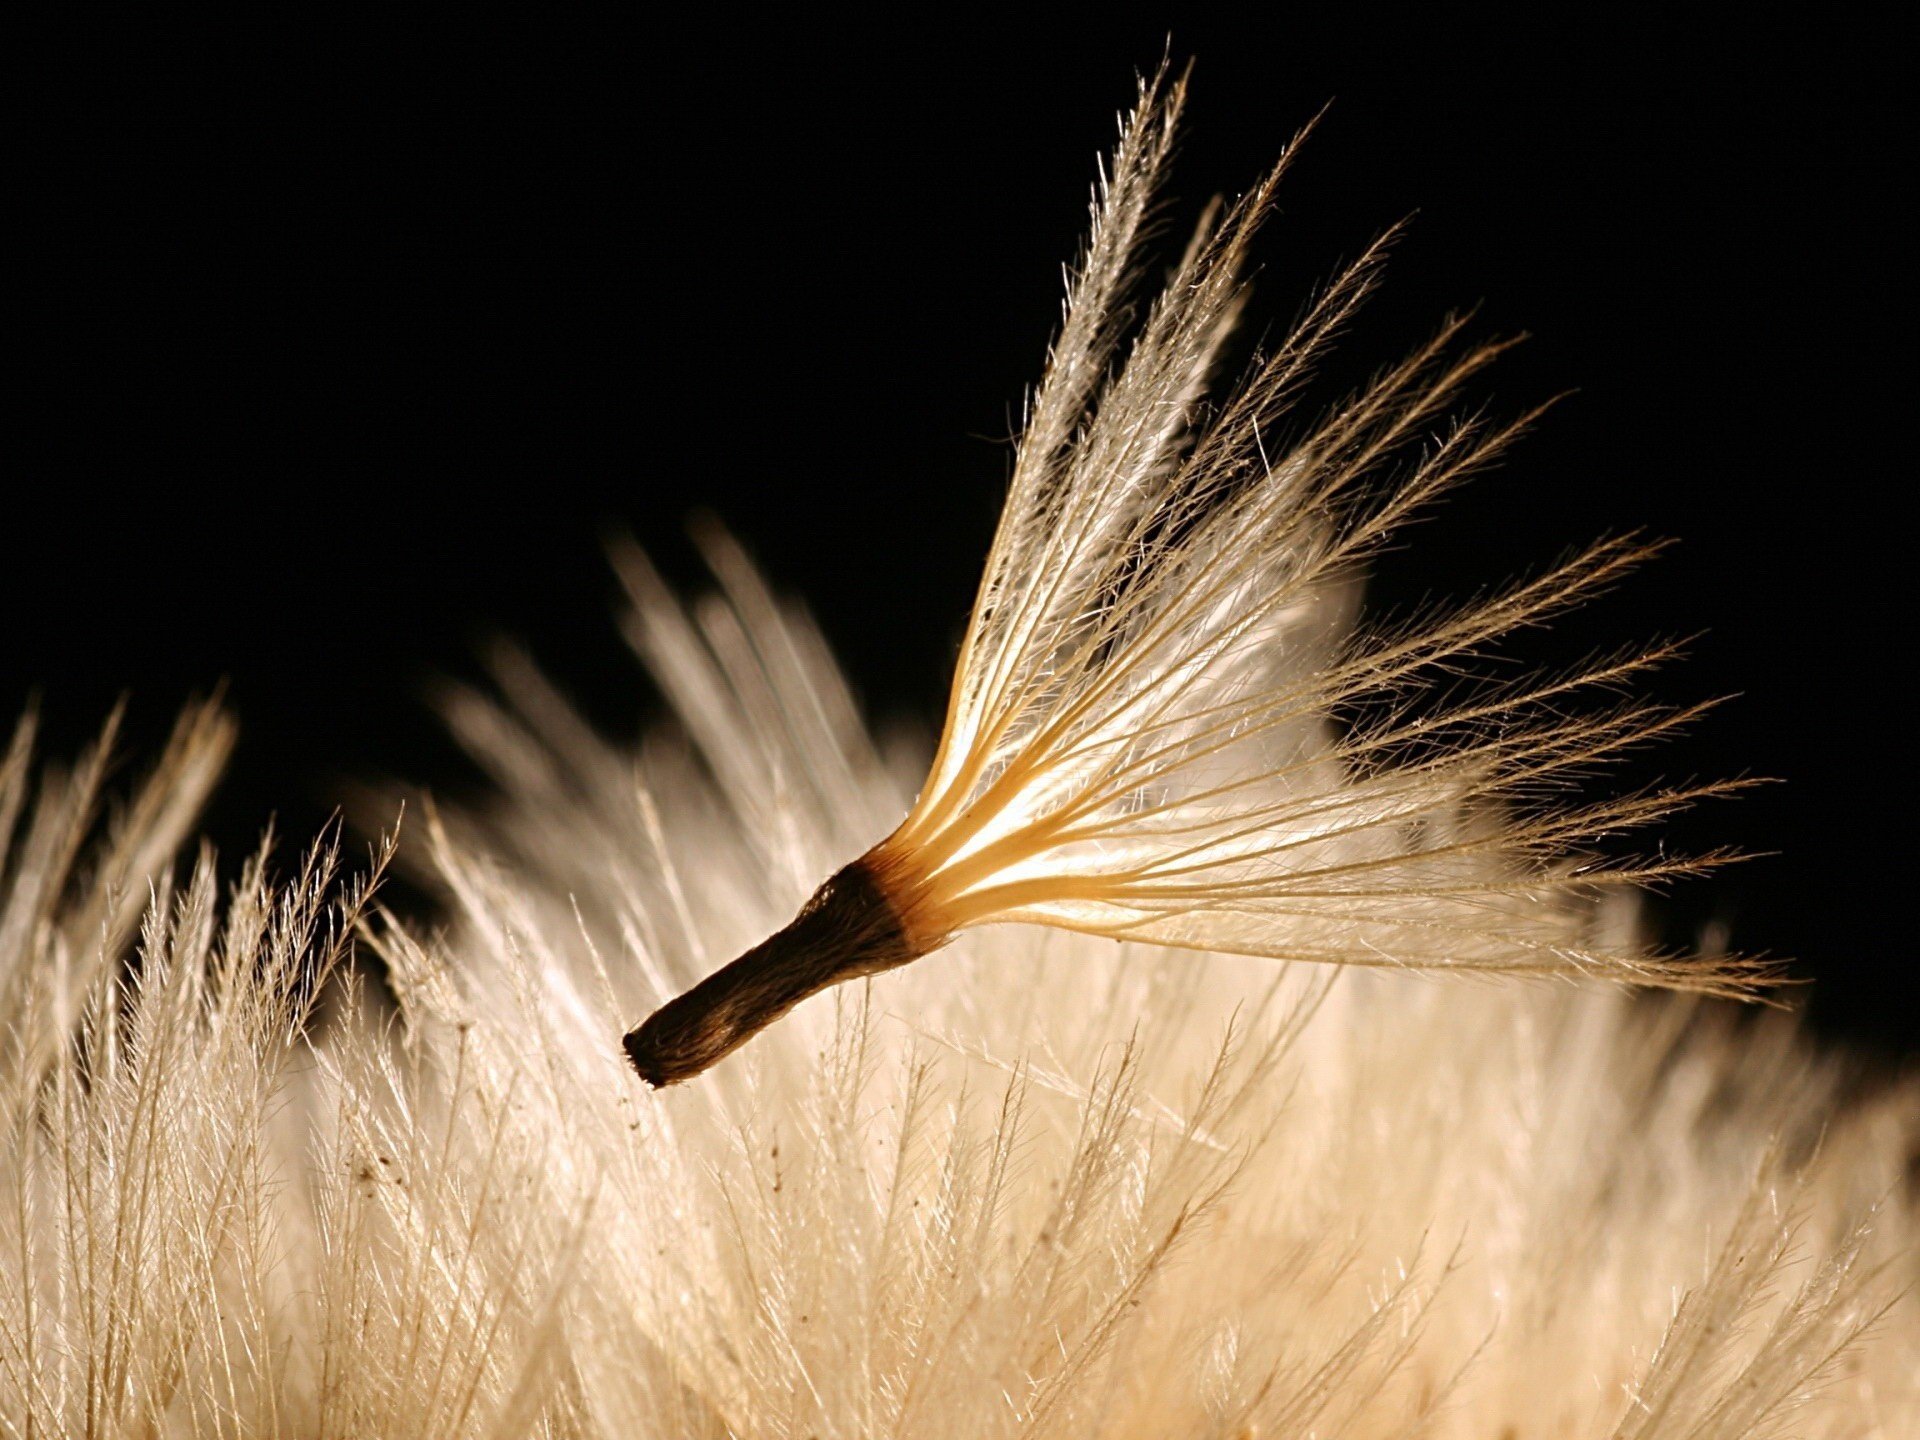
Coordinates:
[1165,724]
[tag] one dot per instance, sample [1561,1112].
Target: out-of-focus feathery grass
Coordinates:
[1049,1183]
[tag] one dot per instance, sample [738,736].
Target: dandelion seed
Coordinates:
[1163,724]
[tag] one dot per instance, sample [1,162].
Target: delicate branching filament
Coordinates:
[1165,724]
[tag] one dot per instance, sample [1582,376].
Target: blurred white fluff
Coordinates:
[1052,1184]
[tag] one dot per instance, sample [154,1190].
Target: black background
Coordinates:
[346,344]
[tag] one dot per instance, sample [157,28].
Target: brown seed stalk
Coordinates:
[849,929]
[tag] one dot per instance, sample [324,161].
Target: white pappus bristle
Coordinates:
[1141,740]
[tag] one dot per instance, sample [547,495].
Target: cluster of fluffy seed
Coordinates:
[1061,1181]
[1047,1185]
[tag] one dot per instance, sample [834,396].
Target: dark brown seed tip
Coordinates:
[642,1055]
[847,930]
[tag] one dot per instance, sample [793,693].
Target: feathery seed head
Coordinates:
[1164,725]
